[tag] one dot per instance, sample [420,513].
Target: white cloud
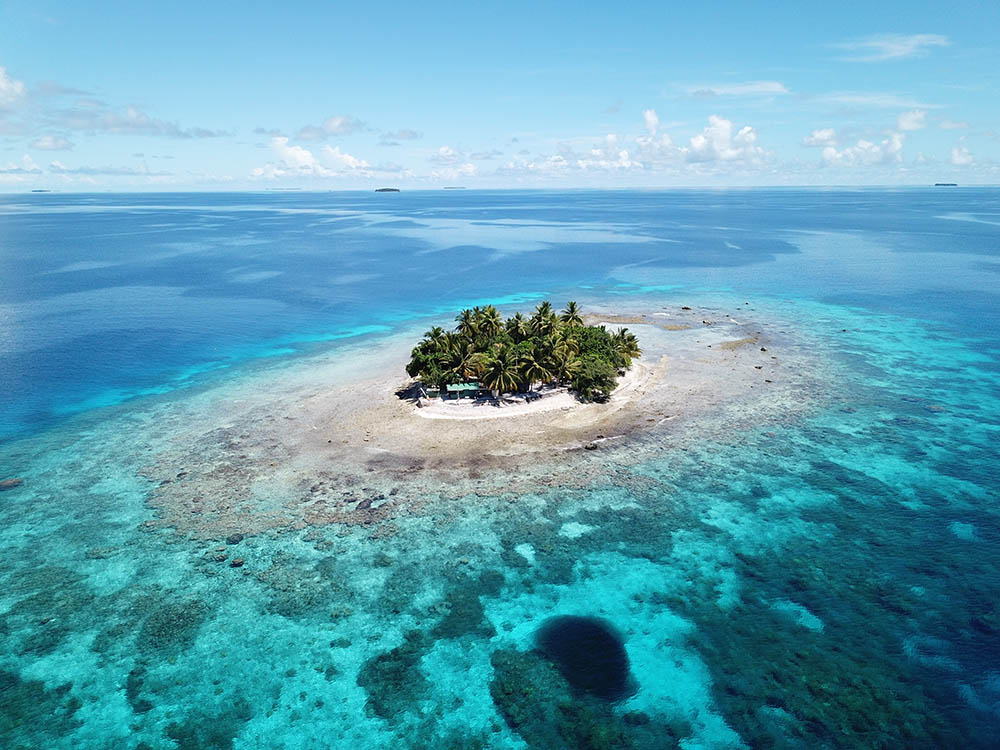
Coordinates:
[52,143]
[342,125]
[863,153]
[750,88]
[654,151]
[960,156]
[608,155]
[912,120]
[331,126]
[547,166]
[447,155]
[405,134]
[821,137]
[718,148]
[269,172]
[953,125]
[883,47]
[652,120]
[10,89]
[455,173]
[92,116]
[51,88]
[57,167]
[27,166]
[298,160]
[342,161]
[294,157]
[486,155]
[718,143]
[876,100]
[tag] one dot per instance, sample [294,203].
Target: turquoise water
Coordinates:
[824,579]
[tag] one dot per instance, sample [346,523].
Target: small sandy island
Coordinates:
[324,441]
[690,347]
[542,399]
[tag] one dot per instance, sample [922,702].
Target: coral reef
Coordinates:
[537,701]
[393,680]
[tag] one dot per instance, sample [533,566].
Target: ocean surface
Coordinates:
[828,581]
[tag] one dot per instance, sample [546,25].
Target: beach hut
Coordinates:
[463,390]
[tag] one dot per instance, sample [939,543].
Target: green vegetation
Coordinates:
[513,355]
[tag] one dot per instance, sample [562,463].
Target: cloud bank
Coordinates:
[882,47]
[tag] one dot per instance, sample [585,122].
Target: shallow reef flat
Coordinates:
[297,559]
[310,448]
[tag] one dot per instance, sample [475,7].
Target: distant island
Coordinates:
[386,190]
[945,184]
[487,355]
[41,190]
[456,187]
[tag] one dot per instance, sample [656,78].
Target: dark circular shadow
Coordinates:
[590,654]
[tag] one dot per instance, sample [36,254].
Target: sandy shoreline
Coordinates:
[326,443]
[544,399]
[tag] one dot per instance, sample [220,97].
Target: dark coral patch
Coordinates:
[201,731]
[590,654]
[393,680]
[32,716]
[537,701]
[173,626]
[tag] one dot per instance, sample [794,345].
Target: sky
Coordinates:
[330,96]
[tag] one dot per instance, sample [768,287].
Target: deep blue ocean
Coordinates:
[840,590]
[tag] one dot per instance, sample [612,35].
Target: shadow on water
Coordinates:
[590,654]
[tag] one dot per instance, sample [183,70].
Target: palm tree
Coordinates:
[565,347]
[564,356]
[548,344]
[463,361]
[571,315]
[490,321]
[535,366]
[501,374]
[506,355]
[543,321]
[476,365]
[626,345]
[518,328]
[567,367]
[467,323]
[434,338]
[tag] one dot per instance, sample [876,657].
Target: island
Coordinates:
[386,190]
[337,436]
[945,184]
[487,356]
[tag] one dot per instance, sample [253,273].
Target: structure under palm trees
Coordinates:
[506,356]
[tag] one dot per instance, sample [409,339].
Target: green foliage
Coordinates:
[595,341]
[514,354]
[595,378]
[571,315]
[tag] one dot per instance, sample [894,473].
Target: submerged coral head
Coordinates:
[590,653]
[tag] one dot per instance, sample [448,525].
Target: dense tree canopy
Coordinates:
[516,353]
